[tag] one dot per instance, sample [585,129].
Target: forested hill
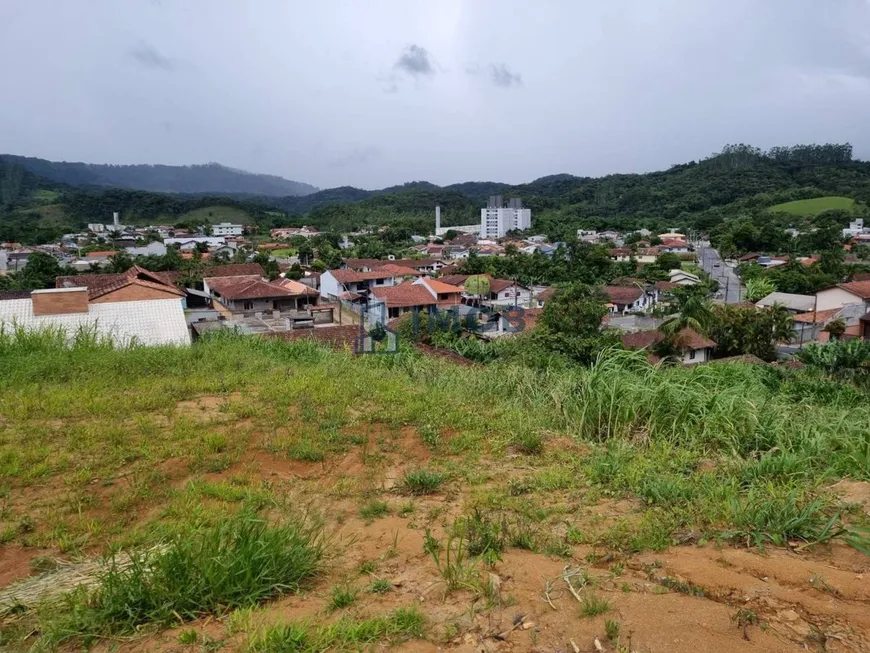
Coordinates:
[739,181]
[729,188]
[210,178]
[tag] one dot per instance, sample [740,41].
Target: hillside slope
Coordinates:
[208,178]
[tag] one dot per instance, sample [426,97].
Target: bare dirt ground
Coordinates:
[685,599]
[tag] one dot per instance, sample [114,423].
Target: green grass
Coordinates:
[116,446]
[592,605]
[238,564]
[422,481]
[342,596]
[374,510]
[811,207]
[343,635]
[381,586]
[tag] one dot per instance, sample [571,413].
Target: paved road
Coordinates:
[730,290]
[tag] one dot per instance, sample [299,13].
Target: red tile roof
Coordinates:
[687,339]
[296,287]
[622,294]
[859,288]
[819,317]
[246,287]
[101,254]
[441,287]
[234,270]
[546,294]
[454,279]
[99,285]
[404,296]
[385,272]
[665,286]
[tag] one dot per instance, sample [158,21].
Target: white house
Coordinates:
[684,278]
[692,346]
[151,249]
[334,283]
[854,292]
[189,242]
[143,322]
[227,229]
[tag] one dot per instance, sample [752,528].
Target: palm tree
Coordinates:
[695,313]
[783,324]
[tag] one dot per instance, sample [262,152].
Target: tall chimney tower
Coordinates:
[437,219]
[117,221]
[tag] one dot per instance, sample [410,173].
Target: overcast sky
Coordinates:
[377,92]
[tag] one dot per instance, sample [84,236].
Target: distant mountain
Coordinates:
[210,178]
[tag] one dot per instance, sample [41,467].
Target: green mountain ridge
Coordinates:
[741,182]
[209,178]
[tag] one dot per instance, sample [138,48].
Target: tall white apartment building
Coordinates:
[497,219]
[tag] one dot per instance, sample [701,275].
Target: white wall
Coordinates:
[701,356]
[329,286]
[835,298]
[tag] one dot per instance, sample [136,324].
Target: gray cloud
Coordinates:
[415,61]
[147,56]
[501,75]
[317,90]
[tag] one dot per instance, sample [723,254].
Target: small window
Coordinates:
[691,354]
[249,306]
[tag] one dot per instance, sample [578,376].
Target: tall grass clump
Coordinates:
[238,564]
[345,634]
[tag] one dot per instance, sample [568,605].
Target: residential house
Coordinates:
[445,294]
[672,235]
[621,254]
[625,299]
[135,284]
[138,321]
[795,304]
[400,299]
[674,246]
[692,346]
[812,326]
[190,242]
[610,235]
[333,283]
[283,233]
[647,254]
[854,292]
[155,248]
[661,289]
[683,278]
[248,294]
[587,236]
[544,296]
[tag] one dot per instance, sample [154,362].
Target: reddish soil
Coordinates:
[684,600]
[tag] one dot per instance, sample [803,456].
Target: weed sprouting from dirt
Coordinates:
[374,510]
[342,596]
[422,481]
[238,564]
[345,634]
[592,604]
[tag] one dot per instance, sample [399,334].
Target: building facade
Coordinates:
[496,219]
[227,229]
